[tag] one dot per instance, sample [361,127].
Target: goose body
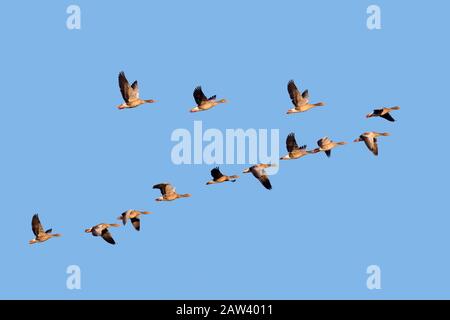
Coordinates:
[259,173]
[300,100]
[370,139]
[294,151]
[101,230]
[204,103]
[130,94]
[383,113]
[168,192]
[38,230]
[326,145]
[134,216]
[218,177]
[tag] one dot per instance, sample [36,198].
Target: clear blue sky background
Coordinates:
[71,156]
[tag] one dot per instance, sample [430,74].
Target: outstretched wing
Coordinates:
[260,174]
[134,92]
[388,117]
[305,95]
[216,174]
[124,86]
[265,182]
[371,144]
[129,93]
[323,142]
[36,225]
[199,96]
[297,98]
[293,92]
[136,223]
[291,144]
[107,236]
[165,188]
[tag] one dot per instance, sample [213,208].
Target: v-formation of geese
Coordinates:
[301,103]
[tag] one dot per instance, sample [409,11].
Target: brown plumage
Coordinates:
[130,94]
[383,113]
[101,230]
[300,100]
[38,230]
[218,177]
[326,145]
[204,103]
[259,173]
[133,215]
[370,139]
[168,192]
[294,151]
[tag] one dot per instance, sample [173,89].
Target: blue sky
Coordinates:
[72,157]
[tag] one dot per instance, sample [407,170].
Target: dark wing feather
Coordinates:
[328,153]
[372,145]
[265,182]
[107,236]
[293,92]
[377,112]
[135,85]
[216,174]
[136,223]
[199,96]
[36,225]
[291,144]
[212,97]
[124,86]
[305,94]
[161,187]
[388,117]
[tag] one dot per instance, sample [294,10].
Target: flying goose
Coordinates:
[384,113]
[168,192]
[325,144]
[130,94]
[101,230]
[259,173]
[204,103]
[300,100]
[370,139]
[218,177]
[295,152]
[38,230]
[133,215]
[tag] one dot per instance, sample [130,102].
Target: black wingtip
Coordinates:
[267,184]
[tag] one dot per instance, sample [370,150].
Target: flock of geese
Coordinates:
[301,103]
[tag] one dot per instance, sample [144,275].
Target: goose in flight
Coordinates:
[325,145]
[370,139]
[38,230]
[101,230]
[259,173]
[133,215]
[300,100]
[130,94]
[168,192]
[295,152]
[384,113]
[204,103]
[218,177]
